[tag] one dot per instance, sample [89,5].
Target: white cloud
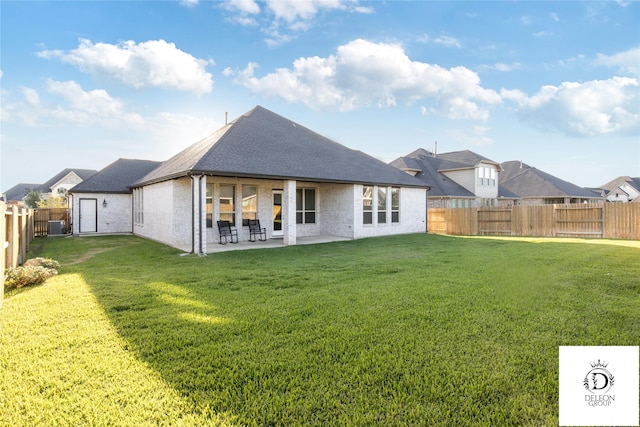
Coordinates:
[153,63]
[243,6]
[87,107]
[476,136]
[189,3]
[447,41]
[31,96]
[502,67]
[555,17]
[627,62]
[362,73]
[281,20]
[583,109]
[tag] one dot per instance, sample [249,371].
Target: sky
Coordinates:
[553,84]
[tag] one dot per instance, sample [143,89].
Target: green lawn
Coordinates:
[406,330]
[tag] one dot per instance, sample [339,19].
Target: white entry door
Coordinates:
[88,216]
[277,213]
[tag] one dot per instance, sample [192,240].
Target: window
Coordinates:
[367,205]
[209,200]
[382,205]
[486,176]
[305,206]
[138,213]
[395,205]
[227,203]
[249,203]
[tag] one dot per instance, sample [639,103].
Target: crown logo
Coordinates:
[599,364]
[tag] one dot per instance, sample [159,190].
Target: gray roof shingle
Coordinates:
[263,144]
[18,191]
[82,173]
[429,167]
[117,177]
[527,181]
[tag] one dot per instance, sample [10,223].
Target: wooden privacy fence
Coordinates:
[601,220]
[42,218]
[16,229]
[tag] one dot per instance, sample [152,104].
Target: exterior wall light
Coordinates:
[104,203]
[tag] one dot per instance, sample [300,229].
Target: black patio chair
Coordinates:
[227,233]
[256,230]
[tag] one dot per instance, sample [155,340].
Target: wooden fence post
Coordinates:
[3,233]
[13,235]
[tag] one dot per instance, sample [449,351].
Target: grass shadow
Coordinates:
[399,330]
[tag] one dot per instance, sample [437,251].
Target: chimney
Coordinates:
[435,150]
[520,164]
[226,115]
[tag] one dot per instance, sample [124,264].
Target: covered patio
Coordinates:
[269,243]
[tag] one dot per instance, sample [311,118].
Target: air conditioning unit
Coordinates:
[56,227]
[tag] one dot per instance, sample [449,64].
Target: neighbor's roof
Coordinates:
[527,181]
[430,166]
[82,173]
[263,144]
[18,191]
[464,159]
[612,185]
[117,177]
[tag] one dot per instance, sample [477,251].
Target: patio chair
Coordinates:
[256,230]
[227,233]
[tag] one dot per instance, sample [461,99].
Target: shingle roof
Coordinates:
[18,191]
[527,181]
[428,166]
[462,160]
[611,185]
[263,144]
[117,177]
[82,173]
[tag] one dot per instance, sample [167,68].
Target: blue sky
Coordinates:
[554,84]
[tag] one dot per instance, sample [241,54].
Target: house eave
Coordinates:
[273,177]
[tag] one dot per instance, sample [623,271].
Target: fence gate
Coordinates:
[494,221]
[579,220]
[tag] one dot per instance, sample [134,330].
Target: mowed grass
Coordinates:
[404,330]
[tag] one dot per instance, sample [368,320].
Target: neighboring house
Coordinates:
[60,184]
[296,182]
[15,195]
[102,203]
[622,189]
[534,186]
[457,179]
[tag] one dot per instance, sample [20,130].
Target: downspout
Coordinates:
[200,213]
[193,218]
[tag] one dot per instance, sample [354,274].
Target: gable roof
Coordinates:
[612,185]
[527,181]
[263,144]
[117,177]
[427,167]
[82,173]
[464,159]
[18,191]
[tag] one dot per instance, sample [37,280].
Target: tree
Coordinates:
[52,202]
[32,199]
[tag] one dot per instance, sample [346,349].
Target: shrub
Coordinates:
[34,272]
[43,262]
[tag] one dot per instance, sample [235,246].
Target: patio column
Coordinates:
[289,212]
[199,225]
